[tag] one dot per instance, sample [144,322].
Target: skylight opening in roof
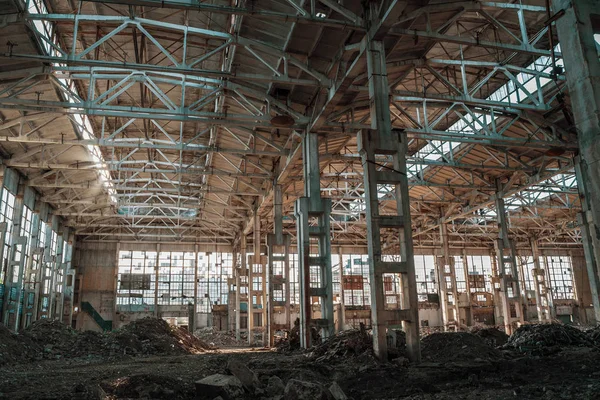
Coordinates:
[84,127]
[508,93]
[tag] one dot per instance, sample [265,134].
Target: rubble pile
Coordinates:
[219,339]
[344,344]
[155,336]
[594,334]
[48,339]
[494,337]
[546,338]
[14,348]
[445,347]
[54,339]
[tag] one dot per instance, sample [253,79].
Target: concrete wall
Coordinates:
[97,264]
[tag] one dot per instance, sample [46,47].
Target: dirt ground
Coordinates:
[573,373]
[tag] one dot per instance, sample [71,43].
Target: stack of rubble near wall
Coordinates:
[545,339]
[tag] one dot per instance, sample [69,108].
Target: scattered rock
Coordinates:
[336,392]
[227,386]
[299,390]
[244,374]
[275,386]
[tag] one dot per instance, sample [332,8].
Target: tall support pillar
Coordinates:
[539,280]
[342,301]
[314,247]
[398,263]
[194,312]
[469,310]
[447,284]
[156,279]
[257,304]
[242,289]
[281,259]
[278,283]
[508,273]
[576,29]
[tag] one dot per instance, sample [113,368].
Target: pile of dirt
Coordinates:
[48,339]
[155,336]
[53,338]
[494,337]
[445,347]
[547,338]
[14,348]
[219,339]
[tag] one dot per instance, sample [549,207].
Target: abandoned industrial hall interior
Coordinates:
[299,199]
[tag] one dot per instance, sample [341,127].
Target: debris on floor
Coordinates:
[594,334]
[443,347]
[156,336]
[542,339]
[344,344]
[14,348]
[216,338]
[494,337]
[50,339]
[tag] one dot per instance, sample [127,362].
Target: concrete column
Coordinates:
[312,206]
[576,29]
[508,273]
[156,271]
[342,301]
[194,313]
[539,280]
[465,261]
[447,284]
[243,271]
[380,139]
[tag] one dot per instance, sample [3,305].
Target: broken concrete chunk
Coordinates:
[227,386]
[244,374]
[299,390]
[336,392]
[275,386]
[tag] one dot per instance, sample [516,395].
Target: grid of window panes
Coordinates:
[136,278]
[526,265]
[49,265]
[481,265]
[7,209]
[425,276]
[356,286]
[335,264]
[294,284]
[219,268]
[459,271]
[175,277]
[561,277]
